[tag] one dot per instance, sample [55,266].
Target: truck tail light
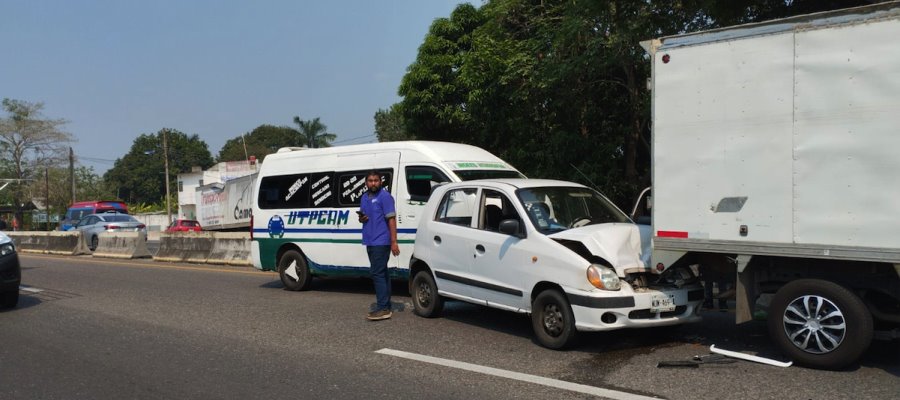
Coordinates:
[251,226]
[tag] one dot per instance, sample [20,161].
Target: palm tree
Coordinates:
[313,131]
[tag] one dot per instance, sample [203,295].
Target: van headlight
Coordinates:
[603,277]
[7,248]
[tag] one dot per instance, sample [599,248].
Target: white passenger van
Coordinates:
[304,222]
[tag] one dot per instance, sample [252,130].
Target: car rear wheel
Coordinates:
[293,271]
[553,320]
[95,241]
[426,300]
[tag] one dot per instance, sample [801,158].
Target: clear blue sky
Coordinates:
[116,69]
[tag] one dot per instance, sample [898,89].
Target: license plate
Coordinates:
[662,303]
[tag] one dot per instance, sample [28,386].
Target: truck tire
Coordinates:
[820,324]
[552,320]
[296,261]
[426,300]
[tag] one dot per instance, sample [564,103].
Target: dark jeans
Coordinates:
[378,259]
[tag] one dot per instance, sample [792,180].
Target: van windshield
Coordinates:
[554,208]
[75,214]
[473,174]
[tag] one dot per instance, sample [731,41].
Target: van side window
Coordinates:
[420,180]
[321,189]
[352,185]
[457,207]
[284,191]
[495,207]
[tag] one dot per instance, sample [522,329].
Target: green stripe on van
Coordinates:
[268,247]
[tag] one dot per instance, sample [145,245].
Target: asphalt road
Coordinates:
[90,329]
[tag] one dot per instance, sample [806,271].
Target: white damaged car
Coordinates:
[557,250]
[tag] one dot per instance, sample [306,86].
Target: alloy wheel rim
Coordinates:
[814,324]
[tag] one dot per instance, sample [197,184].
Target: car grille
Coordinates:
[646,314]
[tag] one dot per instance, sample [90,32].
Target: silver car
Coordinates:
[93,224]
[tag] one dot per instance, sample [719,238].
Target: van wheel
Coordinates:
[553,320]
[426,300]
[819,324]
[94,242]
[9,299]
[293,271]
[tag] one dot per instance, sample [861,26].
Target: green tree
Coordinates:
[548,85]
[139,176]
[314,132]
[390,126]
[30,143]
[260,142]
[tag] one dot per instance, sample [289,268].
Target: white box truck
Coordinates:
[776,159]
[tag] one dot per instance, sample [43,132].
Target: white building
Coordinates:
[191,183]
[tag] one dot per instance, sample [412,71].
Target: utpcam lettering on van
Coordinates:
[318,217]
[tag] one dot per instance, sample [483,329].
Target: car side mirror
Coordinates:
[419,197]
[511,227]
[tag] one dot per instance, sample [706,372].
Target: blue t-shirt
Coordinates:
[379,208]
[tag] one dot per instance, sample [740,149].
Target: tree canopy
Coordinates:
[139,176]
[555,86]
[314,132]
[260,142]
[29,144]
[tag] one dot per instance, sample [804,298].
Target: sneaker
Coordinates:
[379,315]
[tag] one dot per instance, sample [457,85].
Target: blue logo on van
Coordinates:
[276,227]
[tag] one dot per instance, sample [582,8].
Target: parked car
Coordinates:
[556,250]
[10,273]
[80,209]
[93,224]
[184,225]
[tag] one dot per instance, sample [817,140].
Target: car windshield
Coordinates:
[119,218]
[473,174]
[74,214]
[556,208]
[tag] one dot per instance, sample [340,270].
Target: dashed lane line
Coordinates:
[539,380]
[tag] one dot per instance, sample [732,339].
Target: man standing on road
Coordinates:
[379,234]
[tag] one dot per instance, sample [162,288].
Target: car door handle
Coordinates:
[437,239]
[479,249]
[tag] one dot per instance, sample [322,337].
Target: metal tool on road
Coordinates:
[749,357]
[696,361]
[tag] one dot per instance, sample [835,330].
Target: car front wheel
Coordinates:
[9,299]
[552,320]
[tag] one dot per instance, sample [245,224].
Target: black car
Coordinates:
[10,273]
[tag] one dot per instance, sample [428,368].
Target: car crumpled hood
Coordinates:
[618,243]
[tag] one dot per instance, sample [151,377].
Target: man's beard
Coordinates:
[374,189]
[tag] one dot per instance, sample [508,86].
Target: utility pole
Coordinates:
[244,141]
[47,198]
[72,172]
[166,156]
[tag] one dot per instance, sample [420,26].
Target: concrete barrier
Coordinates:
[122,245]
[55,242]
[230,248]
[193,247]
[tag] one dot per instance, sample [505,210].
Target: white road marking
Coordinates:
[30,289]
[540,380]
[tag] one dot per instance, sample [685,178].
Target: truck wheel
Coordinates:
[552,320]
[819,324]
[293,271]
[9,299]
[426,300]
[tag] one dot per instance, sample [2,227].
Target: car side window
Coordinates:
[457,207]
[495,207]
